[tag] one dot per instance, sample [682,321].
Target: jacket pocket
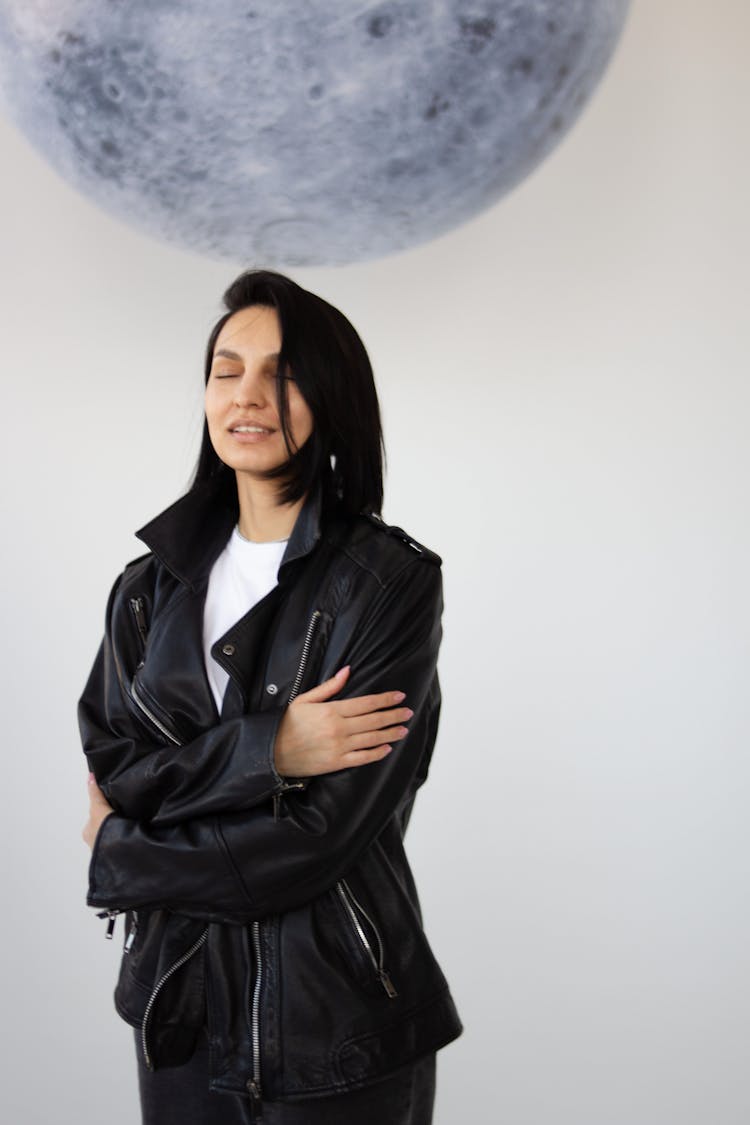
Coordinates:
[154,940]
[365,940]
[161,986]
[170,1037]
[139,612]
[151,715]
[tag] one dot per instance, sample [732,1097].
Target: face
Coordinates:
[242,409]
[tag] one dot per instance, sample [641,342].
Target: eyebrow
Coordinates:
[227,353]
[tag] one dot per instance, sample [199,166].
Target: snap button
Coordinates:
[228,650]
[272,689]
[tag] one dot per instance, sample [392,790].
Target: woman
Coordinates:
[259,717]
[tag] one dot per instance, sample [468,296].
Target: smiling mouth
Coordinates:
[250,430]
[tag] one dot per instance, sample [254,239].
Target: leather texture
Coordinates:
[180,1095]
[280,914]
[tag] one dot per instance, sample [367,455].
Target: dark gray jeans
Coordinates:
[180,1096]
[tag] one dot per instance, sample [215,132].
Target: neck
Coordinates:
[262,517]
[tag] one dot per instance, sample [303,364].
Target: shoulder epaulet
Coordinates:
[141,559]
[399,533]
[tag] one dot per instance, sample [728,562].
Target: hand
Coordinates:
[99,810]
[318,735]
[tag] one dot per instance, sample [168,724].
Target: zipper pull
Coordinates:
[136,604]
[130,938]
[111,916]
[387,983]
[256,1099]
[277,797]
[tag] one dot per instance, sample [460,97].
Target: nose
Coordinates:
[249,390]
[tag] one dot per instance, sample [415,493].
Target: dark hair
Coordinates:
[332,370]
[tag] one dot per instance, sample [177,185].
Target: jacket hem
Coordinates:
[372,1057]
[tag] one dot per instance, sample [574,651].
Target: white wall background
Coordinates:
[566,400]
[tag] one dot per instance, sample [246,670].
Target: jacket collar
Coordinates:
[190,534]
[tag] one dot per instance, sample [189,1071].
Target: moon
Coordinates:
[311,132]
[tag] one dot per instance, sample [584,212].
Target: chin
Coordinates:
[252,460]
[254,471]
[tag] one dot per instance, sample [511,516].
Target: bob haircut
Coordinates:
[323,353]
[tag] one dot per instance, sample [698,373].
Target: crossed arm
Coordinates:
[316,735]
[238,862]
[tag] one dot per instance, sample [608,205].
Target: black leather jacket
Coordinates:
[279,913]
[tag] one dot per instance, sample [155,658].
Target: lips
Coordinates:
[249,426]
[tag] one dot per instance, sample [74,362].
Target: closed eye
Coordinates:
[287,378]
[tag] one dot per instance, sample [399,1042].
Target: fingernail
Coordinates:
[344,669]
[92,779]
[409,712]
[399,695]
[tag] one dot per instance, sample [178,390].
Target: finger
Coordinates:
[354,758]
[363,757]
[372,738]
[376,720]
[327,689]
[361,704]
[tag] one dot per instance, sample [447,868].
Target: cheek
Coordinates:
[301,418]
[211,410]
[211,401]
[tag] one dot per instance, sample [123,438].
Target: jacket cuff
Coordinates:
[128,865]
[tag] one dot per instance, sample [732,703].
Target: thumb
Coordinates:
[328,688]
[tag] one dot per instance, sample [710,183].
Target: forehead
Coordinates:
[255,328]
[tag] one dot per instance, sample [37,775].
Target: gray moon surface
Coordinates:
[299,132]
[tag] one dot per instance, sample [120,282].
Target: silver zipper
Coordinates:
[131,934]
[136,605]
[349,901]
[142,706]
[138,700]
[253,1084]
[157,989]
[197,945]
[311,626]
[303,658]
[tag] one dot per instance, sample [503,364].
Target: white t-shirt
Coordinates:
[243,574]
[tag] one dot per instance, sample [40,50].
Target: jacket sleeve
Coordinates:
[243,866]
[229,766]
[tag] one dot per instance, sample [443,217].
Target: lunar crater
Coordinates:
[477,32]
